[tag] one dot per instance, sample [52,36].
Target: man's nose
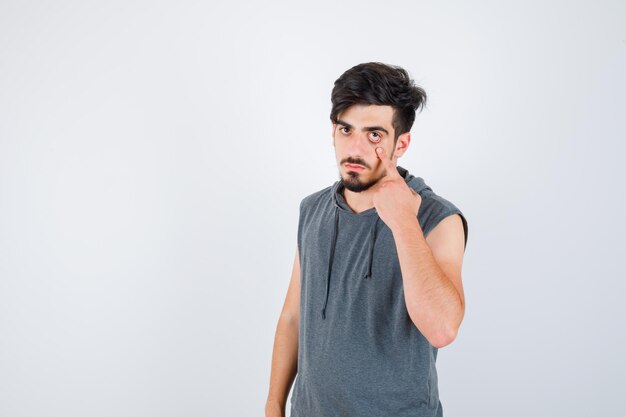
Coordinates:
[359,143]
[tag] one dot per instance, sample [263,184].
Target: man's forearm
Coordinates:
[284,364]
[433,302]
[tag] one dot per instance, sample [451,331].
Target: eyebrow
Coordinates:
[365,129]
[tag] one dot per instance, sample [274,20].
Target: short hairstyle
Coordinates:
[379,84]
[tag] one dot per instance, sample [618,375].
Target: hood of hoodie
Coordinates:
[341,208]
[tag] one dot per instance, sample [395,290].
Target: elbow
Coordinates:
[439,334]
[448,333]
[444,338]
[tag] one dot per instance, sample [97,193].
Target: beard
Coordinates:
[353,182]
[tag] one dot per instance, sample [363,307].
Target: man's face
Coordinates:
[359,130]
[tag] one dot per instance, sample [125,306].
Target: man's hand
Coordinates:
[395,202]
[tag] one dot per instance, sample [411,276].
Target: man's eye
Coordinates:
[342,129]
[375,137]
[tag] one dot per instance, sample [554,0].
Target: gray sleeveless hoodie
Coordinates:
[359,353]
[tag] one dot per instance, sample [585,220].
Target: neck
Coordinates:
[358,202]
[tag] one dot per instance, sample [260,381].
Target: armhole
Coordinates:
[440,217]
[300,221]
[438,209]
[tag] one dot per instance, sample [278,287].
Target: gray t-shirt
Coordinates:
[359,353]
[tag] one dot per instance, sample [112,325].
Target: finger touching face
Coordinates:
[389,164]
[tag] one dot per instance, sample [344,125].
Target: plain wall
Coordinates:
[153,156]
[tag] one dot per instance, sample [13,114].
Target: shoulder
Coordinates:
[434,208]
[313,200]
[312,209]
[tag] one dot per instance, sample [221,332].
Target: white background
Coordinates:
[153,156]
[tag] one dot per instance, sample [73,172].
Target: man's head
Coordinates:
[373,105]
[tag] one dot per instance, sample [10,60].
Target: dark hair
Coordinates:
[379,84]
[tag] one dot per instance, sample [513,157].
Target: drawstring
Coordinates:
[368,274]
[330,262]
[372,242]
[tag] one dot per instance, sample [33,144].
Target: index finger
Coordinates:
[388,163]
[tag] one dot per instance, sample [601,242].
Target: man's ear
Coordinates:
[402,144]
[332,133]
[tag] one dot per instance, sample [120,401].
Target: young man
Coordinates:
[376,283]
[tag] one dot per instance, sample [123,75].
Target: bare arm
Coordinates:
[431,267]
[285,354]
[431,273]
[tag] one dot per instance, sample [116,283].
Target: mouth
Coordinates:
[354,167]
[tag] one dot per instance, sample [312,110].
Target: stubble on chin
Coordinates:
[354,183]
